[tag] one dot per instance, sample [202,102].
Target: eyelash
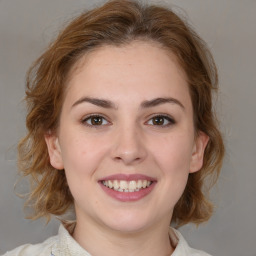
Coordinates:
[90,117]
[165,117]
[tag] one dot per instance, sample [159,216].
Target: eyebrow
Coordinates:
[159,101]
[95,101]
[145,104]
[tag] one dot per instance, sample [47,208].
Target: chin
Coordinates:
[128,228]
[128,222]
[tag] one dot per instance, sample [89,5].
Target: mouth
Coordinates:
[127,186]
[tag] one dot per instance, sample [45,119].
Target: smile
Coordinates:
[127,186]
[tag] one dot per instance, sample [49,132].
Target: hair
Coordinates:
[117,22]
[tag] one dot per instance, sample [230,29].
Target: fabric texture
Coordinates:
[63,244]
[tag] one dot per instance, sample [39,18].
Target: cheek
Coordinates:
[80,162]
[174,154]
[173,157]
[82,154]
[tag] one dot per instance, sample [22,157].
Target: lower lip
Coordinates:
[128,196]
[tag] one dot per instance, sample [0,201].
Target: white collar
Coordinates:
[66,245]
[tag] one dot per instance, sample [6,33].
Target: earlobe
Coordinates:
[198,152]
[54,151]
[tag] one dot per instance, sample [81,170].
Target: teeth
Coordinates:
[132,185]
[126,186]
[115,184]
[110,184]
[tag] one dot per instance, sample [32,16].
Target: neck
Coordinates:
[152,241]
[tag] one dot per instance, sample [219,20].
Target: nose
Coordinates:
[129,146]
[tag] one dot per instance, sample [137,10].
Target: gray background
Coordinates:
[27,26]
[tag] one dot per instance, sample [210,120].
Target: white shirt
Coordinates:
[63,244]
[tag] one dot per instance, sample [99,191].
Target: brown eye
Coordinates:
[158,120]
[161,120]
[95,121]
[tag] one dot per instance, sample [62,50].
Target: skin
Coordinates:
[128,140]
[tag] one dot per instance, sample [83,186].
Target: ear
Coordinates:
[54,151]
[198,152]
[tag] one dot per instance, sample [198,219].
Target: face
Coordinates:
[126,137]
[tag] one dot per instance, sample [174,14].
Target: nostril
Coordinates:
[128,158]
[128,149]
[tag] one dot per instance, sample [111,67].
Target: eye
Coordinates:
[95,120]
[161,120]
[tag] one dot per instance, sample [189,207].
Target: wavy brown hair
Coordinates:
[116,23]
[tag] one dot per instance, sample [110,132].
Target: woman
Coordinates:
[121,128]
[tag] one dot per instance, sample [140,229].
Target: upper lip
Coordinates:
[128,177]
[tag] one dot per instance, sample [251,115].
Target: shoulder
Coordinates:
[62,244]
[42,249]
[183,249]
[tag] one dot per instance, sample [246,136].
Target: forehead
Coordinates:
[141,67]
[126,54]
